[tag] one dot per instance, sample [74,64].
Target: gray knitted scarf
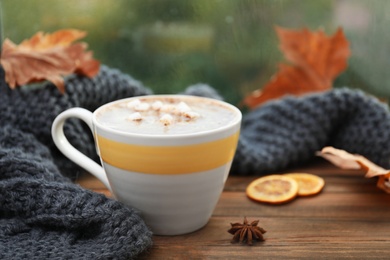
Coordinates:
[43,215]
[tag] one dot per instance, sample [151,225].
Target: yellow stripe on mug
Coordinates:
[168,159]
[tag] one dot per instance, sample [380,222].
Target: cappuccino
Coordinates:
[176,148]
[166,115]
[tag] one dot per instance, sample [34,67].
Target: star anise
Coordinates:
[246,232]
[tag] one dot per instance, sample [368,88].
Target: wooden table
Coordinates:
[350,218]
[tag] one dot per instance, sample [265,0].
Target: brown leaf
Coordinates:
[47,57]
[316,60]
[347,161]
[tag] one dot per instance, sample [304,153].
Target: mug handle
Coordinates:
[62,143]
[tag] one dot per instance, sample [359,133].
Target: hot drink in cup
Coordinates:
[166,155]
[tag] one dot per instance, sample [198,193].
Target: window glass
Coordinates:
[228,44]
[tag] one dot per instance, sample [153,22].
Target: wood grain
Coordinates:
[350,218]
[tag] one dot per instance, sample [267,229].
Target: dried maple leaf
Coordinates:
[316,60]
[47,57]
[347,160]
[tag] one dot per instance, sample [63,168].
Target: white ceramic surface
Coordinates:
[171,204]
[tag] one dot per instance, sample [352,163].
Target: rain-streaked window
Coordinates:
[228,44]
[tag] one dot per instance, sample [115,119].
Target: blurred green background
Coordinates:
[228,44]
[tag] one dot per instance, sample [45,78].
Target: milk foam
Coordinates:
[165,115]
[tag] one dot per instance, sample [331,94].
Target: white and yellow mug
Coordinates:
[174,180]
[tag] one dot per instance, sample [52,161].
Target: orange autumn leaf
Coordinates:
[316,60]
[47,57]
[347,161]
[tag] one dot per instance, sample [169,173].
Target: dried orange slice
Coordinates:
[309,184]
[274,189]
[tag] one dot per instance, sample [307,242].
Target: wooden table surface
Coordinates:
[350,218]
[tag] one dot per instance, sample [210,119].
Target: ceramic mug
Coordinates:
[174,180]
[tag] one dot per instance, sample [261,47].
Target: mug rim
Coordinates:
[237,119]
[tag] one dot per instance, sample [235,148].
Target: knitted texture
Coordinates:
[43,215]
[289,131]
